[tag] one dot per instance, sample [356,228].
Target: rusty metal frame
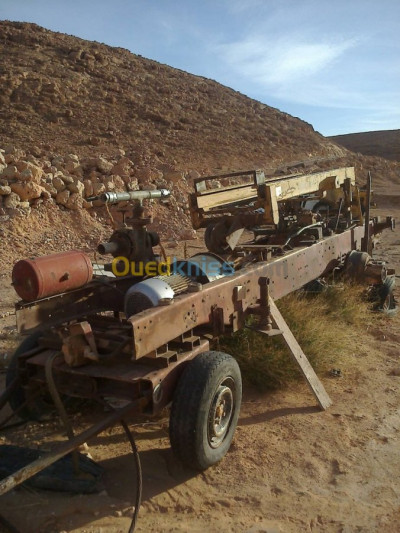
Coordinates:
[219,204]
[156,326]
[165,338]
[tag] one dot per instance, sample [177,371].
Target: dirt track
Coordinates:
[292,468]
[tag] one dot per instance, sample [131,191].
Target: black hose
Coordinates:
[138,466]
[139,478]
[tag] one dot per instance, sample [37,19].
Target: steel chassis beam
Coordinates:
[235,294]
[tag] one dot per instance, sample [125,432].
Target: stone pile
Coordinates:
[28,180]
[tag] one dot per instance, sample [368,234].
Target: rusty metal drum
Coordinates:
[45,276]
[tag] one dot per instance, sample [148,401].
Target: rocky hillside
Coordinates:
[66,95]
[79,118]
[384,144]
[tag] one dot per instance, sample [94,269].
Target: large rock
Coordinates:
[72,157]
[131,183]
[103,165]
[71,166]
[58,162]
[68,180]
[10,172]
[26,175]
[12,154]
[99,163]
[63,197]
[26,190]
[74,202]
[119,183]
[11,201]
[5,190]
[76,187]
[98,188]
[88,188]
[49,187]
[58,184]
[29,171]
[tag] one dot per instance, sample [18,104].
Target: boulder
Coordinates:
[76,187]
[5,190]
[98,188]
[26,190]
[11,201]
[72,157]
[99,163]
[119,183]
[75,202]
[68,180]
[10,172]
[103,165]
[88,188]
[70,166]
[58,162]
[26,175]
[58,184]
[49,187]
[131,183]
[63,197]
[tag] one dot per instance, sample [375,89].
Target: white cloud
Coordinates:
[276,62]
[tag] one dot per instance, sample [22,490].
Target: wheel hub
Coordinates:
[220,415]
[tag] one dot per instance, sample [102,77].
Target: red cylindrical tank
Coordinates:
[52,274]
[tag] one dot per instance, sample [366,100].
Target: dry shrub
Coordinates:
[324,324]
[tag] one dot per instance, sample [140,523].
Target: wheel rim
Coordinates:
[220,415]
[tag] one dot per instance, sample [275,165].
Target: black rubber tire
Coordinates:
[210,383]
[37,407]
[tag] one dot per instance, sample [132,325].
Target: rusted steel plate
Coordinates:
[121,379]
[154,327]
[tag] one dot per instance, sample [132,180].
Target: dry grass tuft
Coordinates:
[325,325]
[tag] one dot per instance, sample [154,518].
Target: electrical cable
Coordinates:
[139,478]
[138,466]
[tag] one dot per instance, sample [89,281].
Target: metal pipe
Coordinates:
[367,231]
[115,197]
[107,248]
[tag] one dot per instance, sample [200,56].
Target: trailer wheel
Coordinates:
[36,406]
[205,410]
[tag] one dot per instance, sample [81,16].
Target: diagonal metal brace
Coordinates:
[67,447]
[300,358]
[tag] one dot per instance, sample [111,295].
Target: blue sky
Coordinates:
[335,64]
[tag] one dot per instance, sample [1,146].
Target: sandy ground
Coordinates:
[291,468]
